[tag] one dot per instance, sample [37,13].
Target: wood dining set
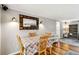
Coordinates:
[45,44]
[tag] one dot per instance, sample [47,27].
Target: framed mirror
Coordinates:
[28,22]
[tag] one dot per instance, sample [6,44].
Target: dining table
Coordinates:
[31,46]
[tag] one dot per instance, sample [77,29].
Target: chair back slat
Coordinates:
[43,44]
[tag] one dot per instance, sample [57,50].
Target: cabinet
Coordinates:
[73,31]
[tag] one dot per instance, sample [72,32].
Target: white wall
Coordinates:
[0,30]
[10,29]
[61,29]
[58,29]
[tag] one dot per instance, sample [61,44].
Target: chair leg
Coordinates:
[39,53]
[45,52]
[50,51]
[22,51]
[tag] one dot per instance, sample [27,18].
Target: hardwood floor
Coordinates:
[64,49]
[75,48]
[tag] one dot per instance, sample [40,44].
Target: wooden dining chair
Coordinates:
[42,45]
[48,34]
[21,47]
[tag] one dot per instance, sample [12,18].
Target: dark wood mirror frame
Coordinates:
[32,27]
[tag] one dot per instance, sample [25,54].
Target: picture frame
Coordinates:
[28,22]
